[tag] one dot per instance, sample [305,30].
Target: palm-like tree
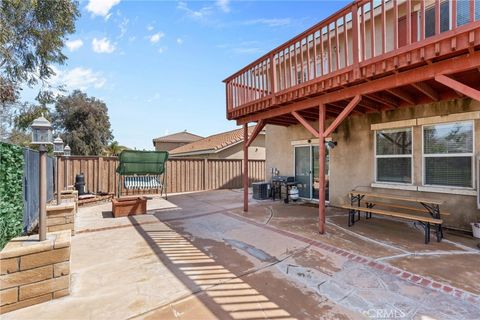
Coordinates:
[113,149]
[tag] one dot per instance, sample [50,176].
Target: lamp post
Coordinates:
[42,136]
[66,152]
[58,151]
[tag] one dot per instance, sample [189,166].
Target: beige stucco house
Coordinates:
[225,145]
[174,140]
[429,151]
[394,84]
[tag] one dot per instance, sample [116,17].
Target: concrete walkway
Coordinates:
[198,256]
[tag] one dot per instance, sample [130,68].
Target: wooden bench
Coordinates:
[425,221]
[408,208]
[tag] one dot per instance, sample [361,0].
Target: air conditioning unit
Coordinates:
[261,190]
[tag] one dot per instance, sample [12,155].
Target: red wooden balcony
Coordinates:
[390,56]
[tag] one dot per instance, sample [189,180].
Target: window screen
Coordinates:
[463,12]
[444,19]
[394,155]
[448,154]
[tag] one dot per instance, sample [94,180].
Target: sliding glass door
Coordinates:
[307,172]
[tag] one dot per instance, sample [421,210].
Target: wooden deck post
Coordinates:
[321,169]
[245,167]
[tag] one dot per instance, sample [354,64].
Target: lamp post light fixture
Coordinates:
[58,151]
[67,151]
[41,131]
[42,136]
[58,146]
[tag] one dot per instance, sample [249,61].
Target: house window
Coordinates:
[463,12]
[477,10]
[444,19]
[448,154]
[393,155]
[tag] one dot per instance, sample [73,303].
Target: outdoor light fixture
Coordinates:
[42,136]
[67,151]
[331,144]
[41,131]
[58,146]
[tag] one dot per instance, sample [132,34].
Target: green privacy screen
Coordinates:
[133,162]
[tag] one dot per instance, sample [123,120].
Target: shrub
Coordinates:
[11,192]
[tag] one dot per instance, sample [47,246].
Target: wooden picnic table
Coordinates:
[397,197]
[430,205]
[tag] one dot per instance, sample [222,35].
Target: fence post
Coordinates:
[205,174]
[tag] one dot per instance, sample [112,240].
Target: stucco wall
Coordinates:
[167,146]
[352,161]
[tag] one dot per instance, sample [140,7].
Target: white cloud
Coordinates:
[74,45]
[195,14]
[154,38]
[161,50]
[78,78]
[123,26]
[102,45]
[248,50]
[149,28]
[101,7]
[224,5]
[243,48]
[269,22]
[180,41]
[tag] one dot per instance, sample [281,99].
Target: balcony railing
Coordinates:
[338,47]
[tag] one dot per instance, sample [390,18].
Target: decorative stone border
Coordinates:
[61,217]
[33,272]
[404,275]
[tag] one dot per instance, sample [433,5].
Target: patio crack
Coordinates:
[272,212]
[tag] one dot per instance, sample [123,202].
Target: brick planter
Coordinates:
[129,206]
[33,272]
[61,217]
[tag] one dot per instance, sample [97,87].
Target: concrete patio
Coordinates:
[198,256]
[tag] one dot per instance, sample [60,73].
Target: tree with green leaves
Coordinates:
[83,122]
[114,149]
[32,36]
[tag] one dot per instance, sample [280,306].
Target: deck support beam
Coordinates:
[344,114]
[426,90]
[321,169]
[258,128]
[458,86]
[245,167]
[305,124]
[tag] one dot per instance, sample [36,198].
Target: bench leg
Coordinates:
[439,232]
[351,217]
[426,226]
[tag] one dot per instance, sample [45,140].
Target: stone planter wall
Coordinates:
[70,196]
[33,272]
[61,217]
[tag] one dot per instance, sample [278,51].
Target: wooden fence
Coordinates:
[183,175]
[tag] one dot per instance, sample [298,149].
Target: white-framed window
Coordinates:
[393,156]
[448,154]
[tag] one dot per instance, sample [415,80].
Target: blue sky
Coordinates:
[159,65]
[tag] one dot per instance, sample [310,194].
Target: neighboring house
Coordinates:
[404,109]
[175,140]
[225,145]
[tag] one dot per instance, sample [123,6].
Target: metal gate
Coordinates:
[31,186]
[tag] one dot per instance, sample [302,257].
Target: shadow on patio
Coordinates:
[216,292]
